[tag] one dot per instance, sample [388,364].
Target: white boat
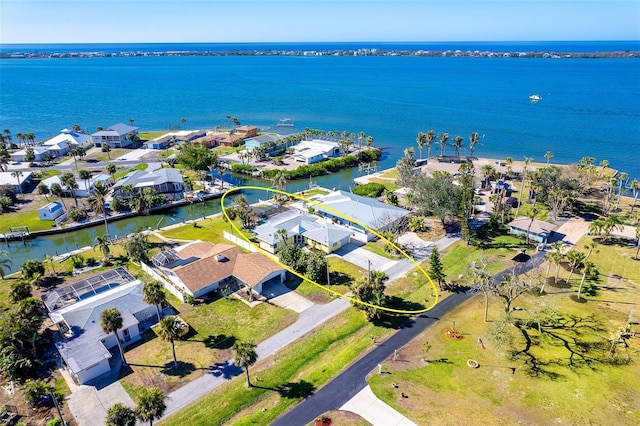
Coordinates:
[535,98]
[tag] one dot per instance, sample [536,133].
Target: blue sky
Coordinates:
[104,21]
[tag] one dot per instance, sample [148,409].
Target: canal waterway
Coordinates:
[53,245]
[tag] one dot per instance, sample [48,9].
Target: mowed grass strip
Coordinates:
[209,229]
[306,364]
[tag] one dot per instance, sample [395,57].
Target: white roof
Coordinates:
[7,179]
[71,138]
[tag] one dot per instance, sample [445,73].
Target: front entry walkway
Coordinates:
[280,295]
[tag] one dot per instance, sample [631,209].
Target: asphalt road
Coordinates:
[344,387]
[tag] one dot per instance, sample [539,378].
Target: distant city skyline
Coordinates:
[141,21]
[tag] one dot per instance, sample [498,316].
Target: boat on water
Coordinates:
[285,122]
[535,98]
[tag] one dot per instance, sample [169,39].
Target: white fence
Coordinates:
[239,241]
[167,284]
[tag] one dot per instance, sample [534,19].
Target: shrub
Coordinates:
[371,190]
[31,267]
[417,224]
[242,168]
[34,390]
[91,261]
[76,214]
[77,260]
[54,422]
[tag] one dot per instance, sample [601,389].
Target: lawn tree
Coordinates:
[436,269]
[119,414]
[548,156]
[150,404]
[137,247]
[97,201]
[429,138]
[283,235]
[588,269]
[421,140]
[111,322]
[71,184]
[554,257]
[20,290]
[555,188]
[111,169]
[575,259]
[474,138]
[437,195]
[245,356]
[85,175]
[107,148]
[532,216]
[458,144]
[465,180]
[103,243]
[56,189]
[482,282]
[153,294]
[443,142]
[622,178]
[5,263]
[316,266]
[31,267]
[512,287]
[405,167]
[43,190]
[170,330]
[243,210]
[527,162]
[51,261]
[370,291]
[34,390]
[17,174]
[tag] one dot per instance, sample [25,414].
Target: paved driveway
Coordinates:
[280,295]
[361,257]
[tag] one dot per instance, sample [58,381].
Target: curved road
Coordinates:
[344,387]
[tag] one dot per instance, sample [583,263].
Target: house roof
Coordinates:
[69,137]
[7,179]
[296,223]
[368,211]
[119,129]
[140,178]
[54,205]
[537,227]
[85,348]
[202,263]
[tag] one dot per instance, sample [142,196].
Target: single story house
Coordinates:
[18,183]
[214,139]
[76,310]
[70,138]
[116,136]
[51,211]
[303,230]
[167,181]
[358,211]
[168,139]
[258,141]
[539,230]
[40,152]
[200,267]
[315,150]
[85,188]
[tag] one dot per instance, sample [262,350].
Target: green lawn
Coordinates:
[26,214]
[285,378]
[103,156]
[147,136]
[377,247]
[208,230]
[341,274]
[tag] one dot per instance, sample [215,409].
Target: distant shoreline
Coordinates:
[34,53]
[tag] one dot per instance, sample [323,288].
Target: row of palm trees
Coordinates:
[428,139]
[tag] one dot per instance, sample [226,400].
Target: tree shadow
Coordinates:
[340,278]
[181,370]
[219,341]
[226,370]
[301,389]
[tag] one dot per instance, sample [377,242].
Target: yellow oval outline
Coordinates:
[340,214]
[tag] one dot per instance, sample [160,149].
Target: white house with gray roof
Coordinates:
[116,136]
[76,310]
[167,181]
[354,211]
[304,230]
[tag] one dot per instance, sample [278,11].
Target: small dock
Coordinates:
[16,233]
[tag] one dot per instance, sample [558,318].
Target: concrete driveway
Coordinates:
[280,295]
[354,253]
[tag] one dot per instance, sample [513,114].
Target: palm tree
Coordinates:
[443,142]
[283,235]
[120,415]
[102,243]
[637,241]
[112,169]
[150,404]
[611,223]
[421,140]
[635,187]
[111,322]
[170,330]
[280,181]
[622,177]
[361,136]
[44,190]
[458,145]
[488,172]
[429,137]
[603,165]
[5,263]
[369,141]
[56,190]
[527,162]
[473,141]
[532,215]
[245,356]
[17,174]
[51,262]
[85,175]
[107,148]
[589,267]
[131,120]
[575,258]
[153,294]
[558,248]
[548,155]
[97,200]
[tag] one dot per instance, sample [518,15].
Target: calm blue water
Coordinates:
[589,107]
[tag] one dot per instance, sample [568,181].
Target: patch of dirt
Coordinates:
[452,334]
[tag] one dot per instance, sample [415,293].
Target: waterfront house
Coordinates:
[214,139]
[116,136]
[18,184]
[357,211]
[315,150]
[200,267]
[167,182]
[40,152]
[258,141]
[76,310]
[69,139]
[539,230]
[85,187]
[247,131]
[168,139]
[303,230]
[51,211]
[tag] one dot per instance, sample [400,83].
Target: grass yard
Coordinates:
[209,229]
[285,378]
[548,383]
[26,214]
[341,274]
[123,173]
[147,136]
[215,327]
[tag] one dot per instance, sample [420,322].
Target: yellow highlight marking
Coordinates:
[340,214]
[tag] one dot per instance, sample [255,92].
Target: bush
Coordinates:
[417,224]
[32,267]
[91,261]
[77,260]
[190,299]
[54,422]
[371,190]
[242,168]
[34,390]
[76,214]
